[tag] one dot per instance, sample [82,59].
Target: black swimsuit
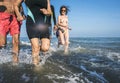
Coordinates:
[36,18]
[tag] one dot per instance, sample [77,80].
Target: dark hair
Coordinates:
[66,7]
[53,11]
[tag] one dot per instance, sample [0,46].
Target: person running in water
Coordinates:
[37,26]
[9,23]
[62,30]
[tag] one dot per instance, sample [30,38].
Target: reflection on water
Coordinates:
[90,60]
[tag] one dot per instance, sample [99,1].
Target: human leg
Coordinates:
[61,38]
[15,48]
[2,41]
[4,21]
[45,44]
[35,50]
[66,35]
[34,39]
[14,29]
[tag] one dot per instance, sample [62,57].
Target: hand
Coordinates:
[55,27]
[68,28]
[20,18]
[44,11]
[24,17]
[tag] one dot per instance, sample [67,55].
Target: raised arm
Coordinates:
[48,10]
[48,7]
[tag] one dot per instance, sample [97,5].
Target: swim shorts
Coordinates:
[34,32]
[9,23]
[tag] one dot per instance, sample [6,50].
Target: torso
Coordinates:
[63,21]
[9,6]
[35,6]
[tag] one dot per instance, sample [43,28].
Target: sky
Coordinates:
[90,18]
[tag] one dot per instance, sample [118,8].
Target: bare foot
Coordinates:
[36,60]
[66,52]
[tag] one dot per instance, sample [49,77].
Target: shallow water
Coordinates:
[90,60]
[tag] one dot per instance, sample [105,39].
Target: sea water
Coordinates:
[90,60]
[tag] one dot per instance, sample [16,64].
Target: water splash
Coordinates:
[95,74]
[25,77]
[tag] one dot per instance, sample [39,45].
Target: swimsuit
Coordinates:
[37,23]
[8,23]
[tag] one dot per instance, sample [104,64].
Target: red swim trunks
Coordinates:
[8,23]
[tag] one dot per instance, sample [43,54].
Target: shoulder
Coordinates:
[59,16]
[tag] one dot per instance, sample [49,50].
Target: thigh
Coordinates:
[61,37]
[14,26]
[66,34]
[45,42]
[3,27]
[30,28]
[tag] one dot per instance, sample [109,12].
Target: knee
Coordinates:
[44,48]
[66,43]
[15,42]
[45,44]
[62,43]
